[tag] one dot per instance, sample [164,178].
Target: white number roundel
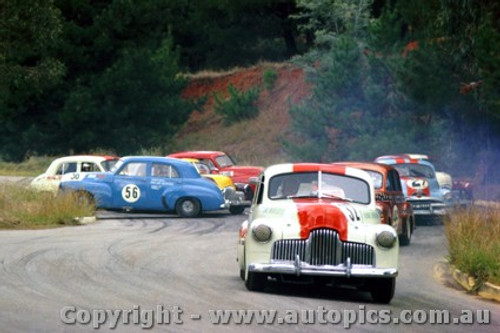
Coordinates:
[131,193]
[417,184]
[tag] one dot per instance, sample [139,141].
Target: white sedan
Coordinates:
[317,223]
[50,179]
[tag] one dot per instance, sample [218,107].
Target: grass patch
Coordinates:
[32,166]
[474,243]
[24,208]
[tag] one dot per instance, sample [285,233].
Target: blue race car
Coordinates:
[148,183]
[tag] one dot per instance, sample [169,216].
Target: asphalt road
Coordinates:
[170,273]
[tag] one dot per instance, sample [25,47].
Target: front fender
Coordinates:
[100,192]
[385,212]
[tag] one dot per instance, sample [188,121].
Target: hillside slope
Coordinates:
[259,141]
[255,141]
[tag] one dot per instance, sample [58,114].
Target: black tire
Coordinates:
[256,281]
[405,238]
[382,289]
[84,198]
[235,210]
[188,207]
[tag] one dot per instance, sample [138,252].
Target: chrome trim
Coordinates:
[427,206]
[300,268]
[323,247]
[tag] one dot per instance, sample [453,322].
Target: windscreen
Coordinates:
[319,185]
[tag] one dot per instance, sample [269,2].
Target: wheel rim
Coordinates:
[188,206]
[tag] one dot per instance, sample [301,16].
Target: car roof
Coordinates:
[402,159]
[382,168]
[314,167]
[405,155]
[197,153]
[159,159]
[189,170]
[78,158]
[189,159]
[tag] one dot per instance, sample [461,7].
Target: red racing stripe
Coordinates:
[313,214]
[312,167]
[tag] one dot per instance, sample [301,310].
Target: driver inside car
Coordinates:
[289,187]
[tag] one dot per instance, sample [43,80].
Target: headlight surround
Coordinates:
[386,238]
[262,233]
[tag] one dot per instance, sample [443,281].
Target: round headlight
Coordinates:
[386,238]
[262,232]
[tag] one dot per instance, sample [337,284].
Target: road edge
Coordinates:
[487,290]
[85,219]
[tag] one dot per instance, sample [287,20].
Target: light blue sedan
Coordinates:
[148,183]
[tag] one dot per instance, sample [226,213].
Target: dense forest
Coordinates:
[389,75]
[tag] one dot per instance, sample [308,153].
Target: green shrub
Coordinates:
[23,208]
[269,77]
[238,106]
[474,243]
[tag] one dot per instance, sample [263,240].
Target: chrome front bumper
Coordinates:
[428,208]
[235,198]
[346,269]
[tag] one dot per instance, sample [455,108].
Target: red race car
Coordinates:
[390,199]
[221,163]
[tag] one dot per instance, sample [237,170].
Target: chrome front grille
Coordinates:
[360,254]
[287,249]
[421,205]
[323,247]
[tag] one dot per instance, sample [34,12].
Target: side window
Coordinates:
[396,181]
[89,167]
[208,162]
[60,169]
[163,170]
[203,169]
[173,172]
[66,167]
[134,169]
[388,182]
[94,168]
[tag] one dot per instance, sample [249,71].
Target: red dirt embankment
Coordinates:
[255,141]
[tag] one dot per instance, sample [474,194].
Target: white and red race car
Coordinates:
[49,180]
[318,223]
